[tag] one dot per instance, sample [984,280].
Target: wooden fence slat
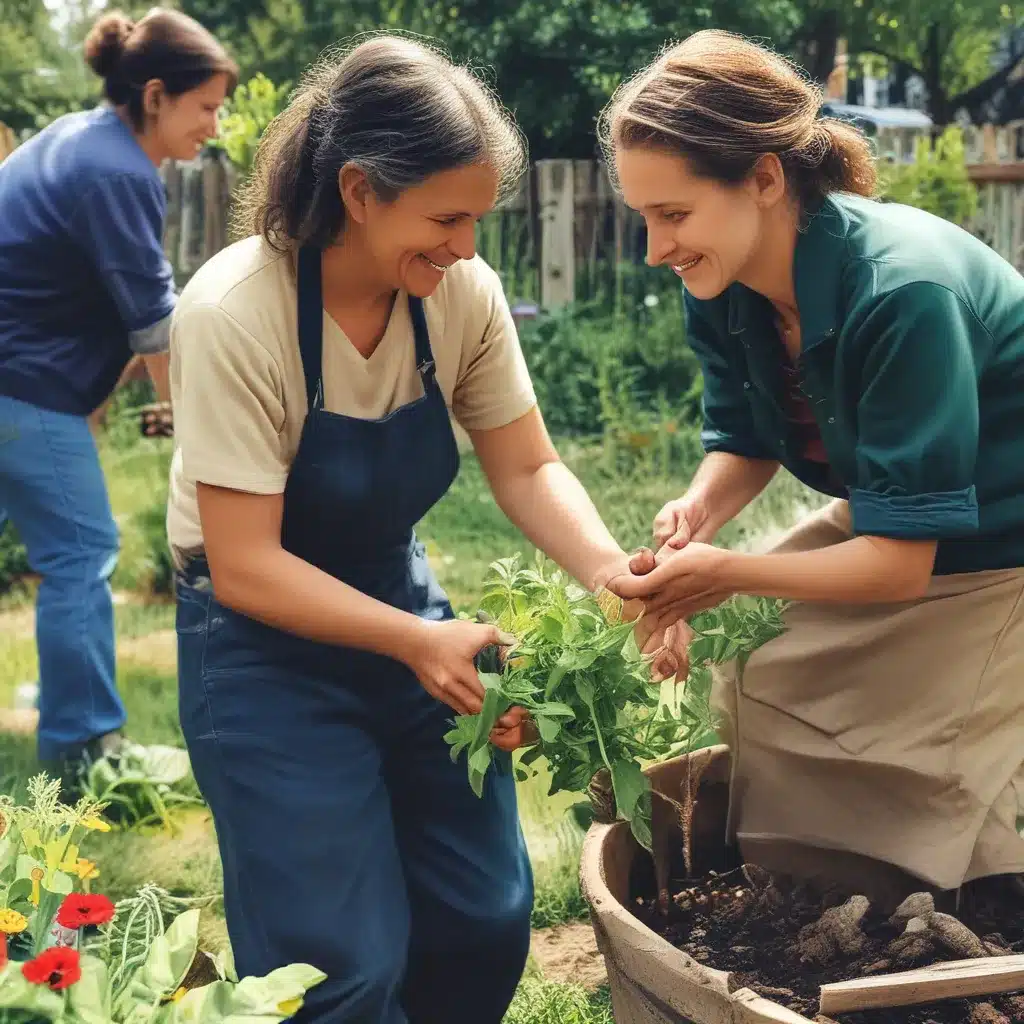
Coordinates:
[558,244]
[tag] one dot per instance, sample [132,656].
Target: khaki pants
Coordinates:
[891,733]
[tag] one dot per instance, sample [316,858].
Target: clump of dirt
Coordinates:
[784,939]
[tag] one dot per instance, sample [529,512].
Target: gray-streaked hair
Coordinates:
[399,109]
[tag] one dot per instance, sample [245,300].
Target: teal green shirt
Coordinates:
[913,364]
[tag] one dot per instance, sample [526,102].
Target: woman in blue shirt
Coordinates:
[84,286]
[876,352]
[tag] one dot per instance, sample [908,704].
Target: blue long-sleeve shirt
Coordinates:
[83,276]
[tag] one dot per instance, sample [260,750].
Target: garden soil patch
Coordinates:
[568,954]
[784,941]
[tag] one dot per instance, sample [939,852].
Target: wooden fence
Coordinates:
[566,236]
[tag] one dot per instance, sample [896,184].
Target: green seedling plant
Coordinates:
[142,785]
[577,670]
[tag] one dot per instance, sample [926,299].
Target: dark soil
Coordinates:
[783,940]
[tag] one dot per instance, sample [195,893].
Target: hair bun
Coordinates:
[104,45]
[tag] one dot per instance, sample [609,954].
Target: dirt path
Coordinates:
[157,650]
[568,954]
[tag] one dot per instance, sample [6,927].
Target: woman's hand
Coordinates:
[157,420]
[442,659]
[521,733]
[683,580]
[679,522]
[664,637]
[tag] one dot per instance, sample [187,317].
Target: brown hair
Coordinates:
[722,102]
[400,110]
[165,45]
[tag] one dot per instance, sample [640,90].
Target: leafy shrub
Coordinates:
[592,370]
[247,113]
[937,181]
[13,558]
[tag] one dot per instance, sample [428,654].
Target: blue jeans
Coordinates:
[52,489]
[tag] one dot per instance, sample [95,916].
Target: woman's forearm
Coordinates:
[863,570]
[726,484]
[278,589]
[551,508]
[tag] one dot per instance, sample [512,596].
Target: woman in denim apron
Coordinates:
[319,659]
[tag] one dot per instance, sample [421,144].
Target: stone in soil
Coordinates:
[784,940]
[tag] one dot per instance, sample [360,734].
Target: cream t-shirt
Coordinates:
[239,393]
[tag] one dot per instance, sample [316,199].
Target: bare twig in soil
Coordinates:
[836,933]
[696,765]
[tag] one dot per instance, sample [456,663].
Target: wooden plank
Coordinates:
[983,173]
[959,979]
[558,243]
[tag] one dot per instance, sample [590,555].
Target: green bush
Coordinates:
[592,370]
[937,181]
[247,113]
[13,558]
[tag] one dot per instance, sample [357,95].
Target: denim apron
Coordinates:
[349,839]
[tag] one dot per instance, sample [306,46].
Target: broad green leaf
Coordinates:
[276,997]
[641,829]
[89,998]
[549,728]
[629,784]
[585,688]
[170,956]
[555,709]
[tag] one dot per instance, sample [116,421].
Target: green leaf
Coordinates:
[629,785]
[89,998]
[549,728]
[169,958]
[253,1000]
[554,709]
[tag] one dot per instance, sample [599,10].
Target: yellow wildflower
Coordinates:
[86,869]
[96,824]
[11,922]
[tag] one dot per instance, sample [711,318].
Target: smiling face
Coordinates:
[179,126]
[414,238]
[707,231]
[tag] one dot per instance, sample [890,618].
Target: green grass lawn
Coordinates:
[463,535]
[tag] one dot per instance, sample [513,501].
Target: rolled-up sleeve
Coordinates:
[119,223]
[917,417]
[728,423]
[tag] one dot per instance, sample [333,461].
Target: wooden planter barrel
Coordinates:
[651,981]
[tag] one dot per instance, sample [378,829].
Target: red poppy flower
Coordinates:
[58,967]
[82,909]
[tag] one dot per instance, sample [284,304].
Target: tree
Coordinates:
[947,42]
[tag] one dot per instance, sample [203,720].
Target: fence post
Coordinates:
[557,246]
[215,204]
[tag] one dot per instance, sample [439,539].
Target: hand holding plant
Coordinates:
[579,672]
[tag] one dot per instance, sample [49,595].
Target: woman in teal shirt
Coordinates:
[877,353]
